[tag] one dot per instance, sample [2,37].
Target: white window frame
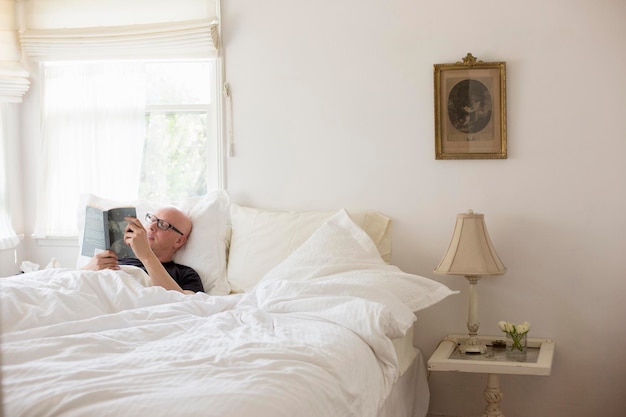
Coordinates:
[216,155]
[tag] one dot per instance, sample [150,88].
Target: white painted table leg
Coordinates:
[493,396]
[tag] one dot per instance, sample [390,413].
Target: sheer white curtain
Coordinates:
[93,126]
[8,238]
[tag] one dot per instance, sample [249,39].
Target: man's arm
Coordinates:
[137,238]
[159,274]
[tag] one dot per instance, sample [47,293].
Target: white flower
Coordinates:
[510,328]
[516,333]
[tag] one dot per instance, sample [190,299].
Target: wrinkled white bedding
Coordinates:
[82,343]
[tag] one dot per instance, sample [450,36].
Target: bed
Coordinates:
[320,325]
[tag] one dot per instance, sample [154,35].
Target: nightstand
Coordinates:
[537,361]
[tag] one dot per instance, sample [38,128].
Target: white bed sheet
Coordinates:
[410,395]
[82,343]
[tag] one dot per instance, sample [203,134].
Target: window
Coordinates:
[178,126]
[125,130]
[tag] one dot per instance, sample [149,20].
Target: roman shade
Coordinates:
[14,81]
[117,29]
[186,39]
[52,30]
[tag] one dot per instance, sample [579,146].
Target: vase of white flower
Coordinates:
[516,337]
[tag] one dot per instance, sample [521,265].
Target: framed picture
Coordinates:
[470,110]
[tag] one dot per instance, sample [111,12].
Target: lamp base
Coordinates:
[472,345]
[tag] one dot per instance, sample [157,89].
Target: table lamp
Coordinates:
[472,255]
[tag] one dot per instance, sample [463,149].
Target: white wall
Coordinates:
[333,107]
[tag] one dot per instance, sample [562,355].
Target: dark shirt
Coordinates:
[186,277]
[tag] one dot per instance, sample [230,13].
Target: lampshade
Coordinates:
[470,252]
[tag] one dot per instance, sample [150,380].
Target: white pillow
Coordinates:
[261,239]
[341,259]
[205,250]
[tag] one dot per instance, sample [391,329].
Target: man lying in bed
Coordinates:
[155,246]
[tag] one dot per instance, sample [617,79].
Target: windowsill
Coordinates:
[56,240]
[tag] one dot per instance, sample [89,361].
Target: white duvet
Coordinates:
[315,341]
[77,343]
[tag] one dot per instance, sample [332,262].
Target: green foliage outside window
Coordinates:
[175,156]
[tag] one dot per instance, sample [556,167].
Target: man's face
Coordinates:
[159,239]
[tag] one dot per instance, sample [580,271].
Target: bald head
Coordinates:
[165,243]
[176,218]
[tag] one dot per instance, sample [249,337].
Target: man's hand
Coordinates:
[103,260]
[137,238]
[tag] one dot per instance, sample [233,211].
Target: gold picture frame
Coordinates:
[470,110]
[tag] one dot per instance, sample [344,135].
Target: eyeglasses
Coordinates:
[161,224]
